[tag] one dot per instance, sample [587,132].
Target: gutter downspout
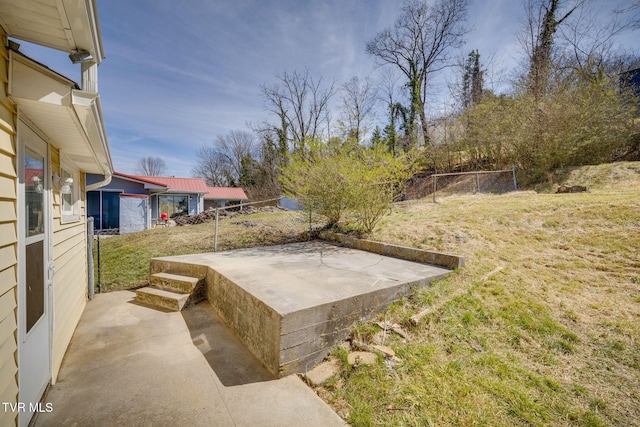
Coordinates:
[107,179]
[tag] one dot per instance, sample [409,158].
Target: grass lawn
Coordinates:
[540,327]
[124,260]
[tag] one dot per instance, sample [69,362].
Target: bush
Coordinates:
[334,178]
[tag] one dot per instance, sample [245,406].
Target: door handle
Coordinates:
[51,269]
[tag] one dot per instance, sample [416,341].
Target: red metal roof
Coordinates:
[174,185]
[225,193]
[145,179]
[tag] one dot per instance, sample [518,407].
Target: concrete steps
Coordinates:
[174,282]
[171,292]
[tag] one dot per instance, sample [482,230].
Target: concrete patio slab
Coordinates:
[131,365]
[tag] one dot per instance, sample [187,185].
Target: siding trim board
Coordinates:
[9,246]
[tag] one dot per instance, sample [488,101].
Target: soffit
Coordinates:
[66,25]
[71,119]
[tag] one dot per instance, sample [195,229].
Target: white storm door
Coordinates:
[34,371]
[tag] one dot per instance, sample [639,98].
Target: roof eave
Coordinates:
[69,26]
[71,118]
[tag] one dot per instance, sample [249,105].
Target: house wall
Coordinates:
[119,184]
[8,244]
[133,213]
[70,280]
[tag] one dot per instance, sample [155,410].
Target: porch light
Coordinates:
[38,184]
[66,187]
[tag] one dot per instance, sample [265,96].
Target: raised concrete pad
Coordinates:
[291,304]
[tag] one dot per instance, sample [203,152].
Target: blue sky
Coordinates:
[179,73]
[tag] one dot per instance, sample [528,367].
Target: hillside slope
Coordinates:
[541,326]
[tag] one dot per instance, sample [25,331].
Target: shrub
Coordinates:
[334,178]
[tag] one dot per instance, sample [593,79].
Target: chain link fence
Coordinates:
[267,221]
[447,184]
[122,261]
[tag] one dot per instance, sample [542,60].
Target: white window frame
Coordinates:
[67,171]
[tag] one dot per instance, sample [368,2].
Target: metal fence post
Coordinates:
[90,274]
[515,184]
[215,234]
[99,266]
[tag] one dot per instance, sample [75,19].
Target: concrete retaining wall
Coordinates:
[308,336]
[401,252]
[256,324]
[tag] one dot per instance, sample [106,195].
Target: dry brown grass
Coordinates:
[547,329]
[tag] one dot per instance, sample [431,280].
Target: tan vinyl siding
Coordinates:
[7,185]
[70,278]
[7,211]
[8,258]
[8,279]
[8,244]
[8,234]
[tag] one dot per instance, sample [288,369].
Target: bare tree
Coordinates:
[542,22]
[210,166]
[358,101]
[225,162]
[301,105]
[419,44]
[390,94]
[588,41]
[151,166]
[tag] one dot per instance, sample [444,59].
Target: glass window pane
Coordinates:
[34,183]
[110,210]
[35,282]
[166,204]
[93,208]
[174,205]
[181,205]
[67,199]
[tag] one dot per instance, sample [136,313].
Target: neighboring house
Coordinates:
[51,134]
[184,196]
[134,203]
[218,197]
[123,204]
